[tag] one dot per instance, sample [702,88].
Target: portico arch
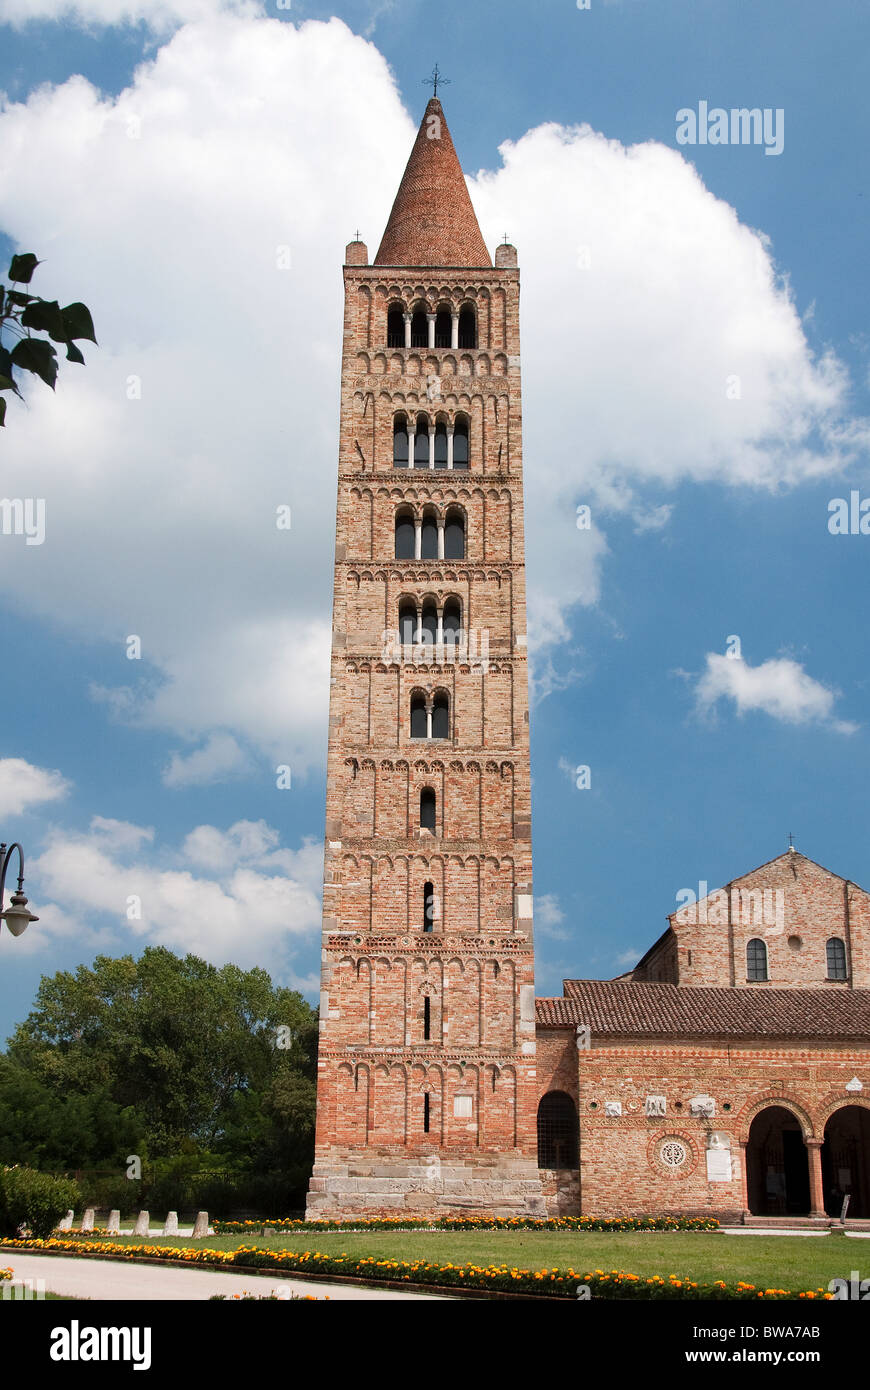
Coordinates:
[846,1161]
[777,1164]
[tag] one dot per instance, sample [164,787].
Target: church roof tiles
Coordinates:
[624,1008]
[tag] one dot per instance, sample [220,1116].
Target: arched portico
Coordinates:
[846,1161]
[778,1171]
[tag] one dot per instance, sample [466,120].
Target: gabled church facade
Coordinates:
[729,1072]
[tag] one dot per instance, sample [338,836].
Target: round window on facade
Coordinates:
[673,1153]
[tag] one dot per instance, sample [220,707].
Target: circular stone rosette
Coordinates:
[673,1154]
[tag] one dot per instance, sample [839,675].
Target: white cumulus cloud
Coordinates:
[247,145]
[159,15]
[219,758]
[232,895]
[23,785]
[779,687]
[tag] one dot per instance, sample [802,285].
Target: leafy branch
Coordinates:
[24,315]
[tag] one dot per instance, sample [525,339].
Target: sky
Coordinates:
[695,373]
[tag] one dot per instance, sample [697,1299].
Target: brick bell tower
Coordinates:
[426,1099]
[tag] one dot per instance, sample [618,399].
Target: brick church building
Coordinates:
[728,1072]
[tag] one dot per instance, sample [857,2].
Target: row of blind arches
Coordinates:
[419,442]
[432,537]
[757,967]
[419,328]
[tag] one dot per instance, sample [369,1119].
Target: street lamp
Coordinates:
[16,916]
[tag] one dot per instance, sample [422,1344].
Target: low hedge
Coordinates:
[542,1283]
[476,1223]
[34,1200]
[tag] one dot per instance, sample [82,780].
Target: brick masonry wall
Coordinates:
[794,906]
[621,1168]
[431,1028]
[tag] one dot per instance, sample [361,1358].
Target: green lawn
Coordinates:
[786,1262]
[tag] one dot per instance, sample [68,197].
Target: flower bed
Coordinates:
[476,1223]
[5,1274]
[492,1278]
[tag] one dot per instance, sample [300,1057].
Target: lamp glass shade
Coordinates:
[17,916]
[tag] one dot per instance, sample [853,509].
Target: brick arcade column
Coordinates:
[817,1190]
[744,1178]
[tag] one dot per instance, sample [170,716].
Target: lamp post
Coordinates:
[16,916]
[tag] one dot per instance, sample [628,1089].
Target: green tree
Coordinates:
[191,1049]
[23,316]
[65,1131]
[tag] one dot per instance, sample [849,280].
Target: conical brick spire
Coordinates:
[433,221]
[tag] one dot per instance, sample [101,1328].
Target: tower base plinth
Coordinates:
[372,1183]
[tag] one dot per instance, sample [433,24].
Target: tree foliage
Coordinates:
[162,1057]
[24,315]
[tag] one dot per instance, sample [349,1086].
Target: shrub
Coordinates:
[35,1200]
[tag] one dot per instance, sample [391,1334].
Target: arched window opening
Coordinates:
[429,626]
[405,532]
[460,444]
[557,1131]
[395,327]
[419,329]
[427,809]
[428,906]
[756,959]
[421,442]
[426,1113]
[400,442]
[441,717]
[442,328]
[429,538]
[407,623]
[419,719]
[467,327]
[427,1018]
[454,537]
[452,622]
[440,446]
[836,958]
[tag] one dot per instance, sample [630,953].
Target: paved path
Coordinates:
[779,1231]
[88,1277]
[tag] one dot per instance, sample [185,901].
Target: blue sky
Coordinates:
[156,779]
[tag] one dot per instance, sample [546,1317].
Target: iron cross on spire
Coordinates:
[435,79]
[790,840]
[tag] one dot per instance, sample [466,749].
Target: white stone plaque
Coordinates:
[613,1107]
[718,1165]
[655,1105]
